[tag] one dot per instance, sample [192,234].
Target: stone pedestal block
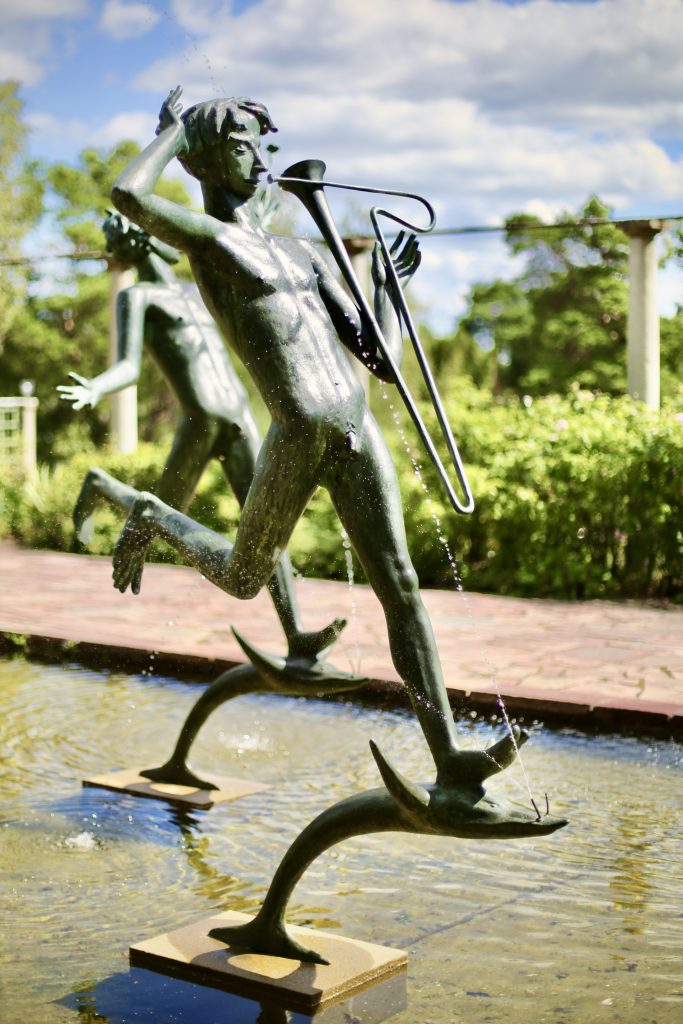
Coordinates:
[130,781]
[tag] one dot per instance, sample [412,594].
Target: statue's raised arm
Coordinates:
[133,191]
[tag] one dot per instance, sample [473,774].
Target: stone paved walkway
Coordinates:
[601,663]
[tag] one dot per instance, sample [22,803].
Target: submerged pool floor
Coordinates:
[585,925]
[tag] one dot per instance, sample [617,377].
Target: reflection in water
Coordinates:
[586,922]
[209,881]
[140,995]
[630,882]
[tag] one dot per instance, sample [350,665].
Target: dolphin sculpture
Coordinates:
[454,807]
[295,676]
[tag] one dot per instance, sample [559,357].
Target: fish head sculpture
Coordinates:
[460,806]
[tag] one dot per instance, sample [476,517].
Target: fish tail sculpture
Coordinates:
[296,675]
[461,809]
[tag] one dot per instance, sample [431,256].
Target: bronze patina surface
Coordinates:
[279,306]
[166,317]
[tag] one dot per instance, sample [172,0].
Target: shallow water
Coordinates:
[584,925]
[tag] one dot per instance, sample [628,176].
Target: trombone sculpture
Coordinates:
[305,180]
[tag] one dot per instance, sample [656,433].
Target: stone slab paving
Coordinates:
[615,664]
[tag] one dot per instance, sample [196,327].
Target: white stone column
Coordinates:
[643,315]
[124,404]
[29,436]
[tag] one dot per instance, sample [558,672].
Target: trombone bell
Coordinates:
[311,170]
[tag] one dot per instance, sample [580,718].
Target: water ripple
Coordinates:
[583,925]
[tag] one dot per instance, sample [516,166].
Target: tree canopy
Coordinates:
[66,327]
[20,203]
[562,319]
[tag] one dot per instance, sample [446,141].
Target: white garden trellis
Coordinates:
[18,436]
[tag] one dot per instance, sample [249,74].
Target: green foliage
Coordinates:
[562,320]
[50,336]
[40,514]
[57,333]
[20,204]
[69,328]
[577,497]
[82,192]
[671,353]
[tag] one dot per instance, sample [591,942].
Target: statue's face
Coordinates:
[241,163]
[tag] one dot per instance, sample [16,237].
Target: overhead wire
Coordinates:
[475,229]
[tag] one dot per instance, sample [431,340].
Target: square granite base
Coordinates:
[130,781]
[191,954]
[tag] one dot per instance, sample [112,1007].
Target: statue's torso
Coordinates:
[263,292]
[182,337]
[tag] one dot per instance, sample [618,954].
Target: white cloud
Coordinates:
[79,133]
[21,11]
[137,125]
[483,106]
[48,128]
[541,60]
[26,30]
[127,20]
[17,66]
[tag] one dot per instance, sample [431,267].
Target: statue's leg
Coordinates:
[284,480]
[98,486]
[186,462]
[238,455]
[365,493]
[188,458]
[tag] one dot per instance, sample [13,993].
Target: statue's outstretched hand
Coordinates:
[170,111]
[404,257]
[82,394]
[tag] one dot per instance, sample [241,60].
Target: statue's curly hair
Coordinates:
[206,124]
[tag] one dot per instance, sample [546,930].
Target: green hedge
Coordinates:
[577,496]
[39,515]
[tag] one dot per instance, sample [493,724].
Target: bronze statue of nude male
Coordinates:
[279,306]
[168,318]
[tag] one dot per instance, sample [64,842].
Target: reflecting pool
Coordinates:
[585,925]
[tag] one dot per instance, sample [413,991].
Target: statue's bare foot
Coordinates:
[131,547]
[86,502]
[177,775]
[271,939]
[309,645]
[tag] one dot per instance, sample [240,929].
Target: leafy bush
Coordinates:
[577,497]
[40,514]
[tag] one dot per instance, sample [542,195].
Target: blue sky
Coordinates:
[484,106]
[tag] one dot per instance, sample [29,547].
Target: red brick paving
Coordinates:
[601,660]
